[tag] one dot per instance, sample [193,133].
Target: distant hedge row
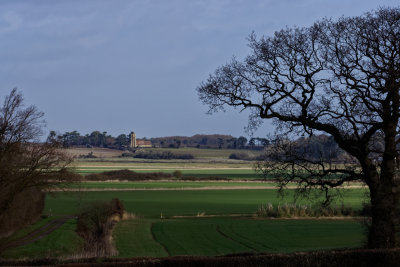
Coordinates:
[158,155]
[127,175]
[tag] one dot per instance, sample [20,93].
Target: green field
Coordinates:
[61,242]
[219,236]
[235,229]
[184,202]
[181,221]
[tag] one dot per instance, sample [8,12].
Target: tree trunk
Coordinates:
[384,202]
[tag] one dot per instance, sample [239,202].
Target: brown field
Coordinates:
[98,152]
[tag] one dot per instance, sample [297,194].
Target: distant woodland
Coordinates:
[122,141]
[316,146]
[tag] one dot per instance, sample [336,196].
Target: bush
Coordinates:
[241,156]
[127,155]
[88,156]
[178,174]
[245,156]
[95,222]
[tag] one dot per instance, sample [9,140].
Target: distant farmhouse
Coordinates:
[139,142]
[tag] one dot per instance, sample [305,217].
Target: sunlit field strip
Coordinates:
[152,204]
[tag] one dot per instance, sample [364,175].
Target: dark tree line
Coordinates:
[122,141]
[211,141]
[338,77]
[94,139]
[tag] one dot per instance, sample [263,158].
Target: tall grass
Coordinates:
[293,210]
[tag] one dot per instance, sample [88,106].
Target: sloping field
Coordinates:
[197,222]
[55,241]
[219,236]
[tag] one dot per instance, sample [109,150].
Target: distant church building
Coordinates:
[139,142]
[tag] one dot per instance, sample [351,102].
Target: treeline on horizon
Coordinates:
[122,141]
[316,146]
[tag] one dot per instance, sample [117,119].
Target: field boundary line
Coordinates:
[155,240]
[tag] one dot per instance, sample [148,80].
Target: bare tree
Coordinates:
[338,77]
[25,162]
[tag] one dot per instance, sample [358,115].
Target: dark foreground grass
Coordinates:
[220,236]
[152,204]
[63,241]
[343,258]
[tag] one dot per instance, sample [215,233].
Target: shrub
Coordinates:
[95,222]
[178,174]
[245,156]
[241,156]
[88,156]
[127,155]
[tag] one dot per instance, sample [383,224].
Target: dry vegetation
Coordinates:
[97,152]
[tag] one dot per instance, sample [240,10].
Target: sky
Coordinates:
[120,66]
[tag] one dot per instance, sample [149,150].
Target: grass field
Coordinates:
[184,202]
[63,241]
[219,236]
[198,234]
[194,222]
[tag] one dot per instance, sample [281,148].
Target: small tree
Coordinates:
[26,163]
[242,141]
[337,77]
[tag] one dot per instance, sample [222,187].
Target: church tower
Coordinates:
[133,140]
